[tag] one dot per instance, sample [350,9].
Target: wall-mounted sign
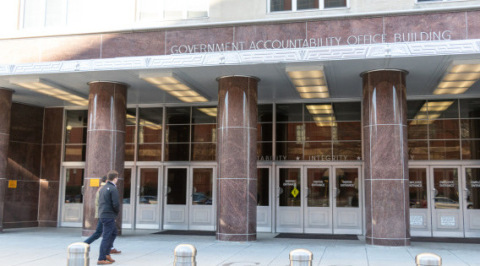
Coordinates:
[95,182]
[448,221]
[290,183]
[447,183]
[347,183]
[318,183]
[416,183]
[416,220]
[475,183]
[12,183]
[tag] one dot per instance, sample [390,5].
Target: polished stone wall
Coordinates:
[24,157]
[460,25]
[237,159]
[50,167]
[105,144]
[5,113]
[385,151]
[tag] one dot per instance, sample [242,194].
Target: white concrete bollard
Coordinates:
[428,259]
[301,257]
[185,255]
[78,254]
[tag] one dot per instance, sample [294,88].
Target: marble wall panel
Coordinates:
[21,203]
[48,203]
[473,24]
[24,161]
[101,97]
[4,143]
[240,99]
[233,193]
[233,162]
[53,126]
[256,36]
[70,47]
[410,25]
[345,31]
[26,123]
[202,36]
[133,44]
[5,110]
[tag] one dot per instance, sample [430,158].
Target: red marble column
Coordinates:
[5,114]
[386,158]
[105,144]
[237,159]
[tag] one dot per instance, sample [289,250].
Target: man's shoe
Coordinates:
[103,262]
[115,251]
[109,258]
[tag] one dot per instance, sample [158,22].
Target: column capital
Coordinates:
[383,69]
[238,76]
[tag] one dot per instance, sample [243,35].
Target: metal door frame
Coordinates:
[270,209]
[466,211]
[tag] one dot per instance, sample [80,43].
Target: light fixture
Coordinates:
[50,89]
[458,79]
[322,114]
[211,111]
[430,111]
[174,86]
[310,82]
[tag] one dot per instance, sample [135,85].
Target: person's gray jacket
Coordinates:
[108,201]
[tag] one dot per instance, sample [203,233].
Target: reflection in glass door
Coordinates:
[472,202]
[189,198]
[72,207]
[148,201]
[447,217]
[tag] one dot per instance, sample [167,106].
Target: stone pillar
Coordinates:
[237,159]
[5,113]
[385,153]
[105,144]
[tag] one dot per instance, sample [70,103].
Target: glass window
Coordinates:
[444,129]
[473,188]
[290,188]
[471,149]
[73,186]
[154,10]
[347,150]
[470,108]
[318,187]
[131,122]
[445,150]
[289,113]
[150,134]
[348,111]
[335,3]
[318,151]
[127,185]
[347,185]
[263,186]
[202,186]
[177,186]
[148,186]
[289,151]
[76,135]
[418,188]
[416,109]
[470,128]
[280,5]
[307,4]
[445,181]
[265,132]
[417,150]
[44,13]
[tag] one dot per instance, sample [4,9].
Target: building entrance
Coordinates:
[444,201]
[319,199]
[189,198]
[72,204]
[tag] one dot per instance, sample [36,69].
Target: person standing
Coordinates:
[99,230]
[108,209]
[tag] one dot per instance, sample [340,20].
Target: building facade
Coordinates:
[294,116]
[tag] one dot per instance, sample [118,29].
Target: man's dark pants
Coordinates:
[97,234]
[109,235]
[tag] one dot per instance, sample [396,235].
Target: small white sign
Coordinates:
[447,221]
[416,220]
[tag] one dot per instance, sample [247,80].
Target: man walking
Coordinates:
[108,209]
[99,230]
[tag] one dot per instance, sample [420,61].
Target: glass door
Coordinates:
[347,214]
[127,206]
[148,200]
[420,212]
[318,207]
[72,206]
[289,217]
[447,216]
[264,208]
[471,202]
[189,198]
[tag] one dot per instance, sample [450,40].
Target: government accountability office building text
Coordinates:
[282,116]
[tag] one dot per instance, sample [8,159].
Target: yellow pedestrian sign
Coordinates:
[295,192]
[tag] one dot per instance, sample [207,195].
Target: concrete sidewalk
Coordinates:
[48,246]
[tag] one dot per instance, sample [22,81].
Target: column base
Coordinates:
[394,242]
[236,237]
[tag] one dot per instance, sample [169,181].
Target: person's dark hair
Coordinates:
[112,175]
[103,179]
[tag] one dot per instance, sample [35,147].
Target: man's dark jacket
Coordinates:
[108,201]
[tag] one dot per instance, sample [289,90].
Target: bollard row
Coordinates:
[185,255]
